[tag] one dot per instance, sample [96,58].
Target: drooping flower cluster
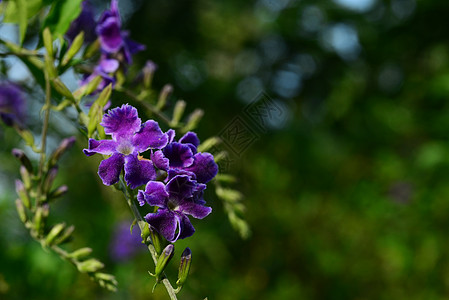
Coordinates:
[185,170]
[116,46]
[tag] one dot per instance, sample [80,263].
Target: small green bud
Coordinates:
[24,160]
[74,48]
[65,236]
[25,177]
[51,175]
[166,91]
[63,147]
[145,233]
[90,265]
[155,240]
[40,217]
[106,277]
[54,233]
[60,191]
[148,73]
[184,266]
[27,136]
[23,194]
[48,41]
[92,86]
[62,89]
[193,119]
[163,260]
[21,211]
[50,68]
[92,49]
[81,253]
[178,111]
[209,143]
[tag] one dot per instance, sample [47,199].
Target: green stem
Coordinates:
[141,222]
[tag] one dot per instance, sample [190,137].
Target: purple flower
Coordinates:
[85,22]
[12,104]
[182,158]
[106,68]
[113,40]
[129,138]
[180,197]
[125,244]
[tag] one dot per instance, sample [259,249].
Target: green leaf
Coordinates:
[61,15]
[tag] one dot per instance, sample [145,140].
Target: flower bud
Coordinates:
[63,147]
[163,260]
[155,239]
[24,160]
[148,72]
[65,236]
[193,120]
[184,266]
[60,191]
[23,194]
[48,41]
[80,253]
[90,265]
[21,211]
[54,233]
[25,177]
[178,111]
[145,233]
[40,217]
[51,175]
[62,89]
[166,91]
[74,48]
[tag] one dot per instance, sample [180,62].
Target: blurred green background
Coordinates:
[346,190]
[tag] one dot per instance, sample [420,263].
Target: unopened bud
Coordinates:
[24,160]
[62,89]
[21,211]
[25,177]
[65,236]
[166,91]
[155,240]
[148,72]
[48,41]
[54,233]
[60,191]
[40,217]
[163,260]
[92,49]
[208,144]
[178,111]
[81,253]
[184,266]
[23,194]
[90,265]
[145,233]
[74,48]
[63,147]
[194,119]
[51,175]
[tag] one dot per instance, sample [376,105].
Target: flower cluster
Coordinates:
[116,47]
[185,170]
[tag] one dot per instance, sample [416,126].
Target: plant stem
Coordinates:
[141,222]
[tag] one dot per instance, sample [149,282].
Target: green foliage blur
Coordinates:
[347,192]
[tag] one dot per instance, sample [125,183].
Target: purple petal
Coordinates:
[164,222]
[109,65]
[150,135]
[121,122]
[138,171]
[105,147]
[180,187]
[110,36]
[155,194]
[175,172]
[186,228]
[109,169]
[141,197]
[171,135]
[190,138]
[194,209]
[84,22]
[159,160]
[179,155]
[204,167]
